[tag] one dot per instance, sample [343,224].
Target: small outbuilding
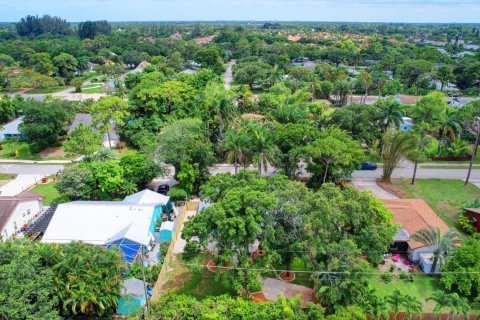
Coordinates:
[473,215]
[166,231]
[11,130]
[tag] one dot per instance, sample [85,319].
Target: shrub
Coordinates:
[404,275]
[392,268]
[177,194]
[466,224]
[387,277]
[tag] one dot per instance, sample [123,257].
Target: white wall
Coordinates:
[24,213]
[413,253]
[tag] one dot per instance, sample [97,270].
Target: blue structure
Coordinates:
[133,297]
[166,231]
[406,124]
[129,248]
[10,130]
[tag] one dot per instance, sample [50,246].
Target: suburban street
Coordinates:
[67,94]
[41,169]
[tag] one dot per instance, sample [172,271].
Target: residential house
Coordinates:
[134,295]
[87,120]
[141,66]
[128,225]
[11,130]
[204,40]
[413,215]
[294,38]
[473,215]
[176,36]
[16,212]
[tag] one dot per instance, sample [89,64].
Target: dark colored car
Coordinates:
[163,189]
[369,166]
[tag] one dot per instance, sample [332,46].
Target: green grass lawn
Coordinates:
[47,90]
[92,90]
[7,176]
[48,191]
[301,278]
[8,151]
[198,282]
[445,197]
[421,288]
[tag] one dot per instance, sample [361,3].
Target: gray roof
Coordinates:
[80,118]
[134,286]
[9,203]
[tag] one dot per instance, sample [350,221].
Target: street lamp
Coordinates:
[475,149]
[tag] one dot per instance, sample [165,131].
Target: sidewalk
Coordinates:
[40,161]
[372,186]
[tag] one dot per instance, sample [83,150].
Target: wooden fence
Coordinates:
[163,275]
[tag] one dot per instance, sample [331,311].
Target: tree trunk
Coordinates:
[108,137]
[416,160]
[260,167]
[236,166]
[434,265]
[325,174]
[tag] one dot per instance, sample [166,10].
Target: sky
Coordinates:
[260,10]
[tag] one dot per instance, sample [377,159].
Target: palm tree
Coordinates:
[459,148]
[412,306]
[395,301]
[440,244]
[276,75]
[457,305]
[397,144]
[263,147]
[236,145]
[390,113]
[449,128]
[220,106]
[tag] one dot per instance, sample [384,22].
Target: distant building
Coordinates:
[16,212]
[87,120]
[204,40]
[10,130]
[176,36]
[141,66]
[294,38]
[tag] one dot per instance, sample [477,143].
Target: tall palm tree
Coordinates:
[412,306]
[390,113]
[458,306]
[397,144]
[237,147]
[395,301]
[449,128]
[263,147]
[440,244]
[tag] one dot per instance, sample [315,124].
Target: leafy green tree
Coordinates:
[139,169]
[83,140]
[444,74]
[332,156]
[340,91]
[43,121]
[411,71]
[427,115]
[175,61]
[26,291]
[390,88]
[465,260]
[263,147]
[66,65]
[220,107]
[397,145]
[42,63]
[76,182]
[186,176]
[440,244]
[459,307]
[390,113]
[107,111]
[251,73]
[110,182]
[210,58]
[236,145]
[450,127]
[185,140]
[6,61]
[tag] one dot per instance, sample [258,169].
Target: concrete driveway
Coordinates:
[40,169]
[371,185]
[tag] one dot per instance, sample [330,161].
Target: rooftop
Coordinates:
[414,215]
[9,203]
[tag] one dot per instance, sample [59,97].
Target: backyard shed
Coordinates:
[166,231]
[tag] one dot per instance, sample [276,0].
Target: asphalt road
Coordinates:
[228,74]
[407,172]
[42,169]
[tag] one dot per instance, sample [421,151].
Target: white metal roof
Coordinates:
[100,223]
[147,197]
[167,225]
[11,127]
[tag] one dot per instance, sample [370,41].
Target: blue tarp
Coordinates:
[129,248]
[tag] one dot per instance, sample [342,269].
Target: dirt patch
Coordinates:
[448,208]
[51,152]
[258,297]
[392,189]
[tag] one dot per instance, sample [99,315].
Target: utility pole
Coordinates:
[475,149]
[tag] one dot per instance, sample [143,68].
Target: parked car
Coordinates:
[369,166]
[163,189]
